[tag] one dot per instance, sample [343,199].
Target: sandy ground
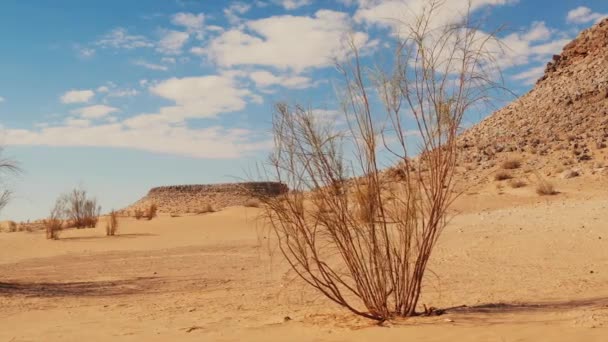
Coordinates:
[517,267]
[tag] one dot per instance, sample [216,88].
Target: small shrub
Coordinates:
[502,175]
[138,214]
[53,226]
[511,164]
[206,209]
[544,188]
[252,203]
[151,213]
[12,226]
[112,224]
[517,183]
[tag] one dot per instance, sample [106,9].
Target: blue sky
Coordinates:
[120,96]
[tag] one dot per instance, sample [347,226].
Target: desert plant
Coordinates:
[511,164]
[207,208]
[252,203]
[517,183]
[138,214]
[502,175]
[361,239]
[112,224]
[81,211]
[151,212]
[545,188]
[55,222]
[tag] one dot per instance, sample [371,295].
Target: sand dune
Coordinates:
[512,266]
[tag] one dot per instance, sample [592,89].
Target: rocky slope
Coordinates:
[560,124]
[182,199]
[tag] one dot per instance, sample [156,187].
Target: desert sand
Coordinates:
[511,266]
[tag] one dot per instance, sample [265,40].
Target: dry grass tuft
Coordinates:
[517,183]
[252,203]
[544,188]
[112,224]
[502,175]
[138,214]
[511,164]
[151,212]
[206,209]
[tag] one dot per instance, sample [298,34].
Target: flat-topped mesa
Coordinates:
[182,199]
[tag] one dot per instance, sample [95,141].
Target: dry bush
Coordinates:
[151,212]
[138,214]
[112,224]
[511,164]
[517,183]
[57,218]
[12,226]
[81,211]
[252,203]
[545,188]
[206,209]
[361,239]
[502,175]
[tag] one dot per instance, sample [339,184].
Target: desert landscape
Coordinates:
[493,232]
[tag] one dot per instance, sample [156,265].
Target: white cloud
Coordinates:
[293,4]
[265,79]
[235,10]
[103,89]
[71,122]
[212,142]
[530,76]
[94,112]
[119,38]
[194,23]
[151,66]
[2,99]
[286,42]
[583,15]
[77,96]
[538,32]
[168,60]
[172,42]
[196,97]
[86,52]
[127,92]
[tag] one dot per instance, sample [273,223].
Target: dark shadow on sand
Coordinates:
[502,308]
[76,289]
[118,236]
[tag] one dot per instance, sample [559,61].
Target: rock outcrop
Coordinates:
[182,199]
[562,122]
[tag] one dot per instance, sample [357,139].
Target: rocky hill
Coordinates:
[561,124]
[182,199]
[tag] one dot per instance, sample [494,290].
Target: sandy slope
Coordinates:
[520,263]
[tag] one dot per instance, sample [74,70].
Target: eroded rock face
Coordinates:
[181,199]
[564,119]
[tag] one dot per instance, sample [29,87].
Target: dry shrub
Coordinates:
[545,188]
[511,164]
[206,209]
[252,203]
[56,220]
[80,211]
[502,175]
[517,183]
[364,240]
[12,226]
[112,224]
[151,212]
[138,214]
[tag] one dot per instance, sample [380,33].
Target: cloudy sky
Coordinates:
[119,96]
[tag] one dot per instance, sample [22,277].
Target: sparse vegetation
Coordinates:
[545,188]
[206,209]
[151,212]
[511,164]
[12,226]
[502,175]
[112,224]
[81,211]
[517,183]
[138,214]
[252,203]
[55,222]
[364,240]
